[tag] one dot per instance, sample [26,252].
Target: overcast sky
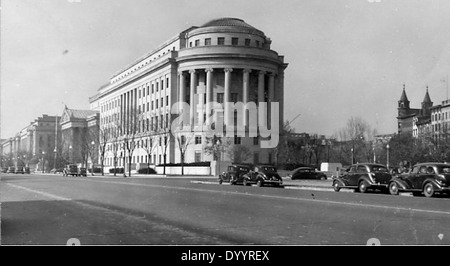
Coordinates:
[346,57]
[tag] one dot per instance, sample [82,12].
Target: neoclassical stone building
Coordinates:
[224,60]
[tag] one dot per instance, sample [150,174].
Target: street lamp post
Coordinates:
[353,159]
[43,162]
[387,161]
[374,155]
[54,162]
[92,157]
[70,154]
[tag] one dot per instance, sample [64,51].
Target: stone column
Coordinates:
[262,115]
[192,105]
[271,96]
[245,89]
[280,95]
[209,93]
[182,92]
[226,97]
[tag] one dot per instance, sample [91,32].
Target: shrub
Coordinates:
[147,171]
[188,164]
[118,170]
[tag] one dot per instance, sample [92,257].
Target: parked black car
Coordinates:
[263,175]
[70,169]
[234,174]
[82,171]
[4,169]
[11,170]
[426,178]
[20,170]
[362,177]
[307,173]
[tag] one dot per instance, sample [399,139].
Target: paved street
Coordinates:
[39,209]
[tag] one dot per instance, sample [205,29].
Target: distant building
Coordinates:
[32,144]
[412,119]
[224,61]
[79,135]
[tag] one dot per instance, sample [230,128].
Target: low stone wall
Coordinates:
[188,170]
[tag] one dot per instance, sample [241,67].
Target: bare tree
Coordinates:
[149,146]
[165,133]
[183,139]
[104,137]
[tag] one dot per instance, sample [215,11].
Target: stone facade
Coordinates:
[224,61]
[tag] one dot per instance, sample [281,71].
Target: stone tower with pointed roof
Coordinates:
[408,118]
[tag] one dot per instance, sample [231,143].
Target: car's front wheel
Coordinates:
[393,188]
[336,186]
[259,183]
[362,187]
[428,190]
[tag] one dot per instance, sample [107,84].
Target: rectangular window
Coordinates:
[220,97]
[255,141]
[167,100]
[162,84]
[190,44]
[234,41]
[247,42]
[157,86]
[257,43]
[167,83]
[237,140]
[140,96]
[221,41]
[198,156]
[148,90]
[162,102]
[153,88]
[156,104]
[197,42]
[208,41]
[198,139]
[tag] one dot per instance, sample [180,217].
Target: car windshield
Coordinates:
[444,169]
[379,169]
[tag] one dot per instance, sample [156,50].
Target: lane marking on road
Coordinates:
[277,197]
[45,194]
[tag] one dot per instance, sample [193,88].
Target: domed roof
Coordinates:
[229,22]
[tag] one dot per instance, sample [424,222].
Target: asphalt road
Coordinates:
[169,211]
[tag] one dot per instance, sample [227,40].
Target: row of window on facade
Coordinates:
[440,116]
[147,144]
[221,41]
[146,90]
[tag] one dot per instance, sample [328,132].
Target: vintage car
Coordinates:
[70,169]
[307,173]
[11,170]
[363,176]
[263,175]
[426,178]
[82,171]
[20,170]
[234,174]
